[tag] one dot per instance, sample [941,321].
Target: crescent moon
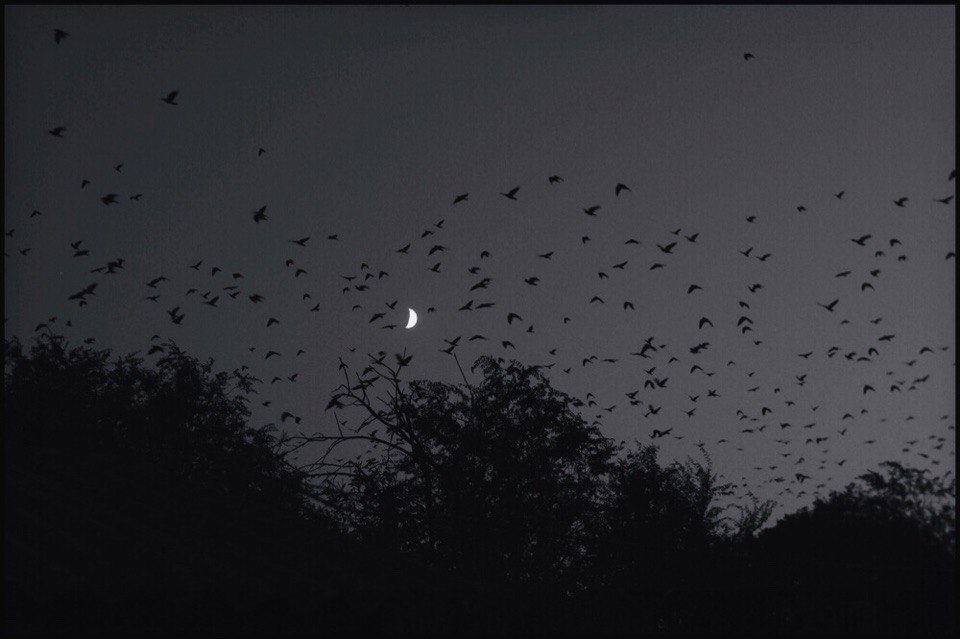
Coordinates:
[412,321]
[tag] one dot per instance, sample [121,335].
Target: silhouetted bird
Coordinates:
[668,248]
[829,306]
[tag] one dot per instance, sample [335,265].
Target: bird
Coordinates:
[59,35]
[839,195]
[171,98]
[109,198]
[620,188]
[260,214]
[554,179]
[301,242]
[829,306]
[945,200]
[592,210]
[901,201]
[57,132]
[668,248]
[861,240]
[748,56]
[512,193]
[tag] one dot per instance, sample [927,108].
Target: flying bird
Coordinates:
[668,248]
[171,98]
[829,306]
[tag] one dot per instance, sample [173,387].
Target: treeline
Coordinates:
[139,498]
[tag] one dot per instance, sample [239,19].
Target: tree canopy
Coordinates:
[493,500]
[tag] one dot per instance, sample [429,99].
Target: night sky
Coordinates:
[374,119]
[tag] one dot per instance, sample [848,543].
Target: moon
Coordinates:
[412,321]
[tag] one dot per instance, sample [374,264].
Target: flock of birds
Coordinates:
[804,440]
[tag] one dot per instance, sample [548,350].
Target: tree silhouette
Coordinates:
[499,479]
[879,557]
[138,497]
[186,419]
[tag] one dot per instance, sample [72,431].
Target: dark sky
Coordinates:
[375,118]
